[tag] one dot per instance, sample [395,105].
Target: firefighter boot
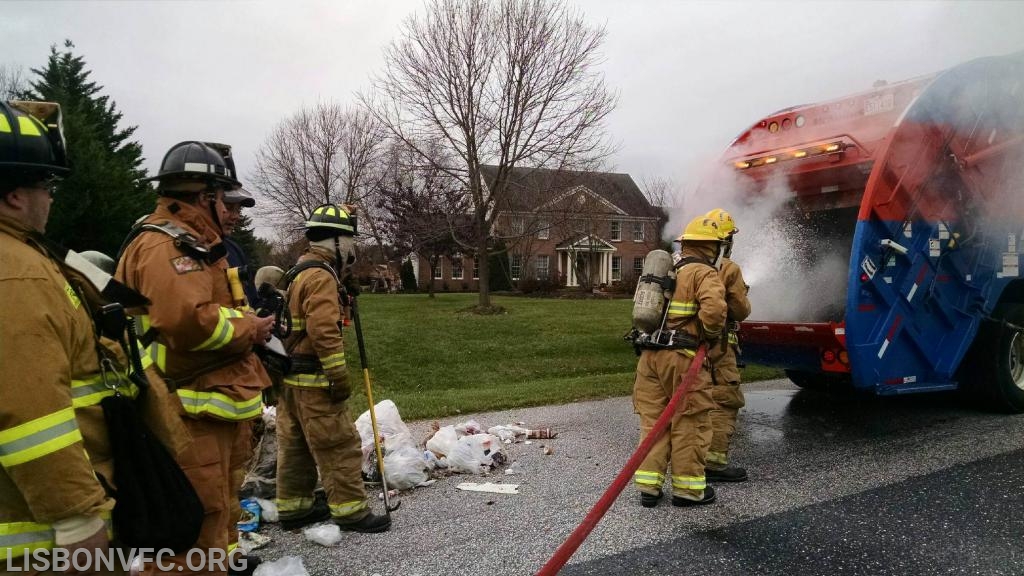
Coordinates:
[726,473]
[249,563]
[650,500]
[709,497]
[367,524]
[318,513]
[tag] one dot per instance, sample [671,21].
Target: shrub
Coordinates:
[542,286]
[408,277]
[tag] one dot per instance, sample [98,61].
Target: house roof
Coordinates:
[533,187]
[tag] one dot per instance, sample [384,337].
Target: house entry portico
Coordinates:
[593,258]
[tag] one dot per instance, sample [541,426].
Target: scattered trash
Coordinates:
[443,441]
[287,566]
[433,461]
[543,433]
[391,494]
[548,451]
[405,467]
[268,510]
[426,483]
[527,442]
[249,541]
[512,432]
[489,487]
[469,428]
[476,454]
[261,477]
[323,534]
[250,519]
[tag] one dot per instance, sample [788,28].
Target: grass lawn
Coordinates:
[434,361]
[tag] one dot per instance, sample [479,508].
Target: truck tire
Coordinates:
[995,365]
[818,380]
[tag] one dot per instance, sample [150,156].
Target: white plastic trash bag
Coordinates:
[323,534]
[287,566]
[507,433]
[443,441]
[268,510]
[476,454]
[469,428]
[389,424]
[405,468]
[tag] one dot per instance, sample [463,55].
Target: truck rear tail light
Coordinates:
[828,356]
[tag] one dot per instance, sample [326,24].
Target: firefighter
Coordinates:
[314,428]
[726,375]
[53,439]
[696,315]
[199,343]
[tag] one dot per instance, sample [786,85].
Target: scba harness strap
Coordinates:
[183,240]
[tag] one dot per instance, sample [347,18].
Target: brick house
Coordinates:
[580,229]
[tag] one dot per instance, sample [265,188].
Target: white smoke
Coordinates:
[793,275]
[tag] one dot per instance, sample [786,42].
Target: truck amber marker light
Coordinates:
[793,155]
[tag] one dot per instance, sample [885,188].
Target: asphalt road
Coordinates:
[839,485]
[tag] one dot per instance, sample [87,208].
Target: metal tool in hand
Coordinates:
[373,415]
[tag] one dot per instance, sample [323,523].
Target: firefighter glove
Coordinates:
[339,390]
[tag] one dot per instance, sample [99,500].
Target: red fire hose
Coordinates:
[566,550]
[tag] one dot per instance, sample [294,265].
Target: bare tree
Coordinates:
[499,83]
[324,153]
[661,192]
[13,83]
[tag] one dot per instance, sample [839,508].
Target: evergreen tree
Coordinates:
[408,277]
[96,204]
[256,249]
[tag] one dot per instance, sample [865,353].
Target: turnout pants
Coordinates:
[686,441]
[207,463]
[314,432]
[728,401]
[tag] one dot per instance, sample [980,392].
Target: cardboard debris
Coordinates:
[489,487]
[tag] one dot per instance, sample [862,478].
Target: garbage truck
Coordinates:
[918,187]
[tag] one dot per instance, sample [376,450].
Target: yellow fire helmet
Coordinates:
[726,225]
[702,229]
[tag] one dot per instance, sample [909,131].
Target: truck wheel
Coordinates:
[817,380]
[995,372]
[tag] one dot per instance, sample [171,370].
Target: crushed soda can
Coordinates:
[542,434]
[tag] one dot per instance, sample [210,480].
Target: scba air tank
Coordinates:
[649,300]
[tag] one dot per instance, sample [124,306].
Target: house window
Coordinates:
[638,232]
[517,265]
[542,233]
[457,268]
[543,267]
[616,230]
[616,268]
[476,268]
[437,269]
[517,226]
[638,266]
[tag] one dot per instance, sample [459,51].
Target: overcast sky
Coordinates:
[690,75]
